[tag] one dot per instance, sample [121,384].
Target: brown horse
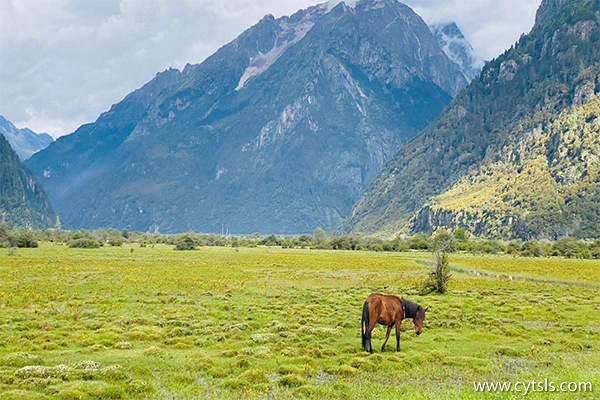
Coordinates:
[389,310]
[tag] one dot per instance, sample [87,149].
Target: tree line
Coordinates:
[461,241]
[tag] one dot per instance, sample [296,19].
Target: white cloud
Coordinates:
[29,19]
[491,26]
[63,62]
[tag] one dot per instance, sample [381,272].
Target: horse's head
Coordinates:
[419,319]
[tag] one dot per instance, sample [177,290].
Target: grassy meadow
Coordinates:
[269,323]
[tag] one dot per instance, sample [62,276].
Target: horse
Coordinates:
[389,310]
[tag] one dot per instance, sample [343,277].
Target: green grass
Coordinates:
[131,322]
[576,272]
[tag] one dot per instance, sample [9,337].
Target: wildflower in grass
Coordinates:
[534,350]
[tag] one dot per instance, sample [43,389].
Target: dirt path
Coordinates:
[462,269]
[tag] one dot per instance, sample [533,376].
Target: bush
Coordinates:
[440,276]
[116,241]
[186,242]
[531,249]
[5,237]
[346,243]
[513,247]
[487,247]
[419,241]
[84,243]
[15,238]
[568,247]
[25,239]
[320,239]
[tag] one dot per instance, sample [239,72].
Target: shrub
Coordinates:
[513,247]
[25,239]
[531,249]
[346,243]
[320,239]
[116,241]
[186,242]
[487,247]
[568,247]
[419,241]
[84,243]
[399,245]
[440,276]
[5,235]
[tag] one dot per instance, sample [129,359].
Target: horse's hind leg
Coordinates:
[387,336]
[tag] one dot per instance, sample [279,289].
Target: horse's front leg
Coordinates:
[387,336]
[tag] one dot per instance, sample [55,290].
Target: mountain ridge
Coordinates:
[24,141]
[457,48]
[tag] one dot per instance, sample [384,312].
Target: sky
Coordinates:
[63,62]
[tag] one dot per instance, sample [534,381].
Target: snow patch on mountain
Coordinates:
[290,33]
[457,48]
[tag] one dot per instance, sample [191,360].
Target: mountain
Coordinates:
[24,141]
[516,153]
[23,202]
[457,48]
[279,131]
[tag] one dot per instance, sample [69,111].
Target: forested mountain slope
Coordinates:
[23,202]
[517,102]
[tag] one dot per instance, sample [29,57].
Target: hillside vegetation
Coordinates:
[547,72]
[23,201]
[546,184]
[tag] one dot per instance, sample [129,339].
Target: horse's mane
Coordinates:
[410,308]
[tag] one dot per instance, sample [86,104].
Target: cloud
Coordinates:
[491,26]
[63,62]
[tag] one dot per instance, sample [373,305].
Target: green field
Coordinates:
[151,322]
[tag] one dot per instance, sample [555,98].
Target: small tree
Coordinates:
[320,239]
[5,235]
[439,277]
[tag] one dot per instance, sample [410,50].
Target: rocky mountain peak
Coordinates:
[24,141]
[266,41]
[457,48]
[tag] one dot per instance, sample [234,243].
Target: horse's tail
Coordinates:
[366,333]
